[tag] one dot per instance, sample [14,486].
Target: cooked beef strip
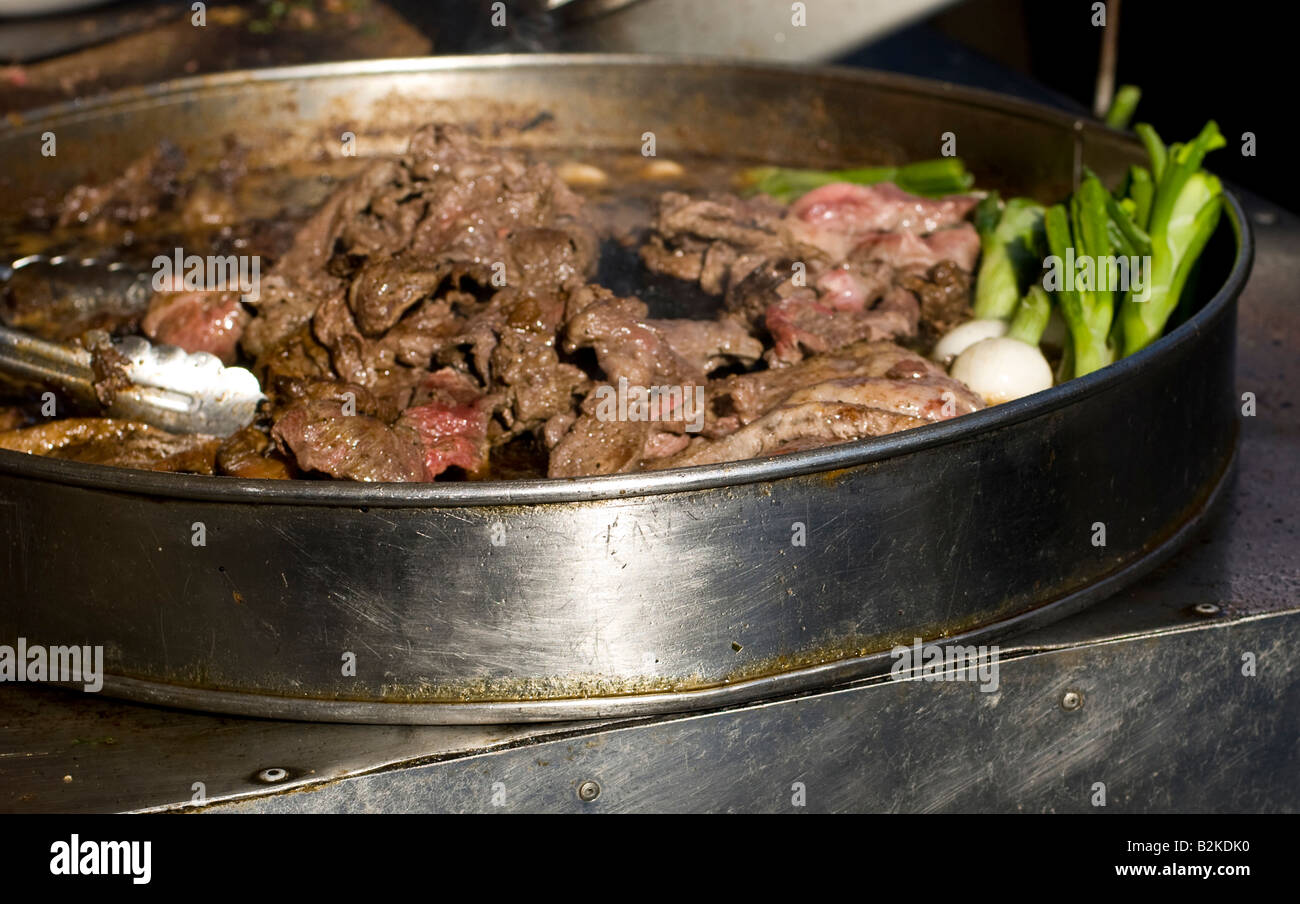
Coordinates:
[743,398]
[286,391]
[295,355]
[251,453]
[148,185]
[945,298]
[720,239]
[706,345]
[792,428]
[802,325]
[449,435]
[197,322]
[107,441]
[867,389]
[627,346]
[322,437]
[526,363]
[928,398]
[593,446]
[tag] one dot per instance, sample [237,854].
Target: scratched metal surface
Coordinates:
[1167,724]
[598,606]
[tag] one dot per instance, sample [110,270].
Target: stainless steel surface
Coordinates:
[169,388]
[632,593]
[1168,724]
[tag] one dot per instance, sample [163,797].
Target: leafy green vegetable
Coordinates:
[1184,214]
[1155,148]
[1031,316]
[1123,107]
[1126,235]
[1088,314]
[1141,191]
[1011,255]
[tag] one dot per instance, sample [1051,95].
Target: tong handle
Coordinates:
[49,363]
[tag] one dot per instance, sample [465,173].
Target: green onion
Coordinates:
[1123,107]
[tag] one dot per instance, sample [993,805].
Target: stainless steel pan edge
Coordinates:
[636,593]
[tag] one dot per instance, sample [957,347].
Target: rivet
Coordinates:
[588,791]
[1206,609]
[272,775]
[1071,700]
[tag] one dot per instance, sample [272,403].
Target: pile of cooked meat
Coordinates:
[440,312]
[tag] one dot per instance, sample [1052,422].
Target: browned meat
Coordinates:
[593,446]
[792,428]
[645,352]
[296,355]
[147,186]
[250,453]
[344,430]
[455,255]
[626,345]
[322,437]
[805,324]
[126,444]
[719,240]
[706,345]
[945,298]
[866,389]
[742,399]
[525,363]
[197,322]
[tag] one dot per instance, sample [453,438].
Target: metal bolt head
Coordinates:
[588,791]
[272,775]
[1071,700]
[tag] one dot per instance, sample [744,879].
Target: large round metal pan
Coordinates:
[626,594]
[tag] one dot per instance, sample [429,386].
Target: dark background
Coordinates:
[1194,61]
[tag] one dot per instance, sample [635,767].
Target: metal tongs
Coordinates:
[161,385]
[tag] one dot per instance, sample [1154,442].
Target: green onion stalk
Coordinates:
[1184,214]
[1010,254]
